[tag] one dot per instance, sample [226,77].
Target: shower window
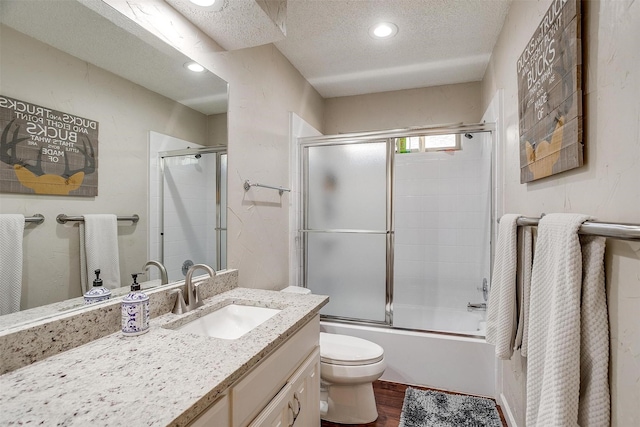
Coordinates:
[420,144]
[441,142]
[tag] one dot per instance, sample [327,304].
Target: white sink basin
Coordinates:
[230,322]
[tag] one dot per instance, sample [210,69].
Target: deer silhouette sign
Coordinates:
[33,176]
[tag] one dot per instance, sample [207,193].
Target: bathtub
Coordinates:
[440,319]
[446,362]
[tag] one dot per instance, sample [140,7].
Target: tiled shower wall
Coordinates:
[442,226]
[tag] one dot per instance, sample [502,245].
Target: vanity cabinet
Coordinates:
[298,403]
[281,390]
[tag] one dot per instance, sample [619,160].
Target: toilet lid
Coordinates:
[345,350]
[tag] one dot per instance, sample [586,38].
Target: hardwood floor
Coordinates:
[389,399]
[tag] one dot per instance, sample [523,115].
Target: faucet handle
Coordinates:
[196,290]
[180,306]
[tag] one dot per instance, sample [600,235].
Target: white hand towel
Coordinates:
[11,235]
[501,311]
[555,359]
[99,250]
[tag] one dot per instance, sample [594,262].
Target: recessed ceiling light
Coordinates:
[203,3]
[383,30]
[212,5]
[194,66]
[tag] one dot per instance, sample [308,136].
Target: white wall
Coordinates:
[37,73]
[404,108]
[607,186]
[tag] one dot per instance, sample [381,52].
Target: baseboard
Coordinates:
[506,411]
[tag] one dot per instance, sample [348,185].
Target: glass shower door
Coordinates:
[347,227]
[191,212]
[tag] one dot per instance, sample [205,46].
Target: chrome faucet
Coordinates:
[164,278]
[193,299]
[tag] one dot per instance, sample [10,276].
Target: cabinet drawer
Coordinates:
[252,393]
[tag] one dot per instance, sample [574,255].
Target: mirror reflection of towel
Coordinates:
[11,234]
[99,250]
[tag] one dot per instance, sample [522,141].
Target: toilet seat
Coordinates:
[345,350]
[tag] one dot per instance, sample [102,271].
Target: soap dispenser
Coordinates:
[135,310]
[98,292]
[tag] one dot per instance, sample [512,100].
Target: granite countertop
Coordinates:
[163,377]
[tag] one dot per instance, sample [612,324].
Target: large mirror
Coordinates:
[86,59]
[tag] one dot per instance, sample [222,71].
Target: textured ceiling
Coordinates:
[438,42]
[123,49]
[241,24]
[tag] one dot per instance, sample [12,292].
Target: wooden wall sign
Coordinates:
[45,151]
[550,95]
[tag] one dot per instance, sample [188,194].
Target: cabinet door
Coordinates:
[305,403]
[254,392]
[216,415]
[278,412]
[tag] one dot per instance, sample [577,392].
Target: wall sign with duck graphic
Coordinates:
[550,95]
[44,151]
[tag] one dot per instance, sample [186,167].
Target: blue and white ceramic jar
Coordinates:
[135,311]
[98,292]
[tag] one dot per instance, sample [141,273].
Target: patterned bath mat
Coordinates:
[428,408]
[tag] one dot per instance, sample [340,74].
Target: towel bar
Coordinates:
[35,219]
[596,228]
[248,185]
[62,218]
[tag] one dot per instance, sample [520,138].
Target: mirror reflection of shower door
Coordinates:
[347,227]
[191,211]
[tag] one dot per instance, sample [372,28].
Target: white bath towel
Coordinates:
[11,235]
[522,334]
[557,373]
[99,250]
[501,311]
[594,404]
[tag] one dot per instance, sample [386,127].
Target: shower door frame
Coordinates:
[218,151]
[378,136]
[304,230]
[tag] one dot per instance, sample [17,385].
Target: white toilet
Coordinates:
[348,367]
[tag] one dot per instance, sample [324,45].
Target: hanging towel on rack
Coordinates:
[11,235]
[501,311]
[522,334]
[568,351]
[99,250]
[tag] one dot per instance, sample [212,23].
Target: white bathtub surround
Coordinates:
[442,222]
[445,362]
[501,311]
[99,250]
[11,231]
[441,319]
[567,372]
